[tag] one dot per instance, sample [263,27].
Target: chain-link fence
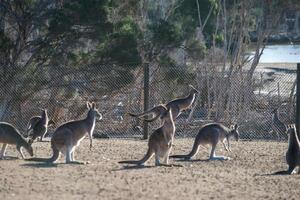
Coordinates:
[231,96]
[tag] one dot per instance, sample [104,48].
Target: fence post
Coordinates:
[146,98]
[298,100]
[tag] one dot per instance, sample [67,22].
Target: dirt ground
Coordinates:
[247,176]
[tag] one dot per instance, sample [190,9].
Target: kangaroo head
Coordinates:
[44,112]
[165,112]
[93,111]
[234,132]
[193,90]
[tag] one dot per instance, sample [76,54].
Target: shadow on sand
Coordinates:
[40,165]
[9,158]
[193,160]
[278,173]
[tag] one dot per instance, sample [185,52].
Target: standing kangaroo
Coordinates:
[39,126]
[161,140]
[10,135]
[293,153]
[177,106]
[34,120]
[212,134]
[277,125]
[67,137]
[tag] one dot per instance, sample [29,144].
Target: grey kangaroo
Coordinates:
[67,137]
[161,140]
[176,105]
[293,153]
[211,134]
[39,126]
[34,120]
[10,135]
[277,125]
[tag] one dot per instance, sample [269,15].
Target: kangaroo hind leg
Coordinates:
[2,154]
[213,154]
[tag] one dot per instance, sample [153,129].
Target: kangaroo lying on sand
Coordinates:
[176,105]
[10,135]
[293,153]
[39,126]
[212,134]
[161,140]
[68,136]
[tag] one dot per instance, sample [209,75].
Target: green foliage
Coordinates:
[187,13]
[5,43]
[196,49]
[121,45]
[174,73]
[166,34]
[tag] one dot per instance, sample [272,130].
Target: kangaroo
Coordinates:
[34,120]
[67,137]
[40,128]
[277,125]
[161,140]
[36,123]
[211,134]
[293,153]
[10,135]
[177,106]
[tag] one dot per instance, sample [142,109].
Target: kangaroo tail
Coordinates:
[148,155]
[47,160]
[194,151]
[148,112]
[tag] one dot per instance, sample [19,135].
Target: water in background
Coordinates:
[281,53]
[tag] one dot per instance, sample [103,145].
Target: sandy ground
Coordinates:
[247,176]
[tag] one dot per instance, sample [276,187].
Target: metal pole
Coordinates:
[146,98]
[298,100]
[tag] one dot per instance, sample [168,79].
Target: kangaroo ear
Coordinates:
[88,104]
[93,105]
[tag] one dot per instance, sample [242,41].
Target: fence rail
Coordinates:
[228,97]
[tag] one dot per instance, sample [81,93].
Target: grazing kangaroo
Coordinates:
[212,134]
[293,153]
[161,140]
[10,135]
[277,125]
[68,136]
[176,105]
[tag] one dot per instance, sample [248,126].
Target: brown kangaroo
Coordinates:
[293,153]
[38,126]
[67,137]
[212,134]
[177,106]
[161,140]
[10,135]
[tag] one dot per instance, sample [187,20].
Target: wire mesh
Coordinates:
[229,97]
